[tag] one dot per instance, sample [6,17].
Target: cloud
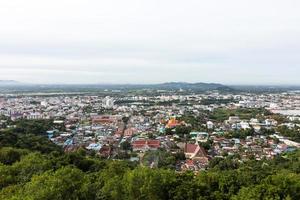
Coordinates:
[229,41]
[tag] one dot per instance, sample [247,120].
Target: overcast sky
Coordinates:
[150,41]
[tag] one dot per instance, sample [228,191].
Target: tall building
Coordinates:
[108,102]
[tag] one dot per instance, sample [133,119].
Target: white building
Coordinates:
[108,102]
[210,125]
[34,115]
[245,125]
[271,122]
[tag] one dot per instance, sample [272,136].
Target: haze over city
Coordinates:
[137,41]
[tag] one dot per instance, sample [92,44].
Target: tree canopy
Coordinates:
[32,168]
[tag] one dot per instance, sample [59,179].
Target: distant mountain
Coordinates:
[169,86]
[194,86]
[9,82]
[14,86]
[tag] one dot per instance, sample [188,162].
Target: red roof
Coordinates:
[103,119]
[144,143]
[139,142]
[190,148]
[193,148]
[154,143]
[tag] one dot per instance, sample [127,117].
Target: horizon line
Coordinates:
[154,83]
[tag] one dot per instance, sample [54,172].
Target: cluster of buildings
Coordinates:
[132,125]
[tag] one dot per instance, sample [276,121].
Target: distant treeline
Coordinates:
[217,101]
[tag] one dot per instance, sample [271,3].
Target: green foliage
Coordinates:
[222,114]
[196,122]
[22,171]
[241,134]
[183,130]
[65,183]
[279,118]
[284,185]
[144,183]
[29,134]
[76,159]
[8,138]
[125,119]
[216,101]
[36,127]
[169,131]
[160,158]
[206,145]
[126,146]
[39,171]
[293,133]
[9,155]
[221,164]
[77,176]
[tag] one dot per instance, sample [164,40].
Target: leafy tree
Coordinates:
[169,131]
[8,138]
[279,186]
[65,183]
[36,127]
[160,158]
[183,130]
[9,155]
[242,134]
[22,171]
[40,170]
[293,133]
[144,183]
[126,146]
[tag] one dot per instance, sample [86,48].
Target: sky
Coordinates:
[150,41]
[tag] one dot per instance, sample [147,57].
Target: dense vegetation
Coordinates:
[32,175]
[210,101]
[29,134]
[40,171]
[222,114]
[292,133]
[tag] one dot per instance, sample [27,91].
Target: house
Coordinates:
[129,132]
[172,123]
[145,145]
[245,125]
[254,122]
[34,115]
[256,128]
[104,119]
[271,122]
[194,151]
[94,146]
[233,120]
[236,126]
[210,125]
[199,136]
